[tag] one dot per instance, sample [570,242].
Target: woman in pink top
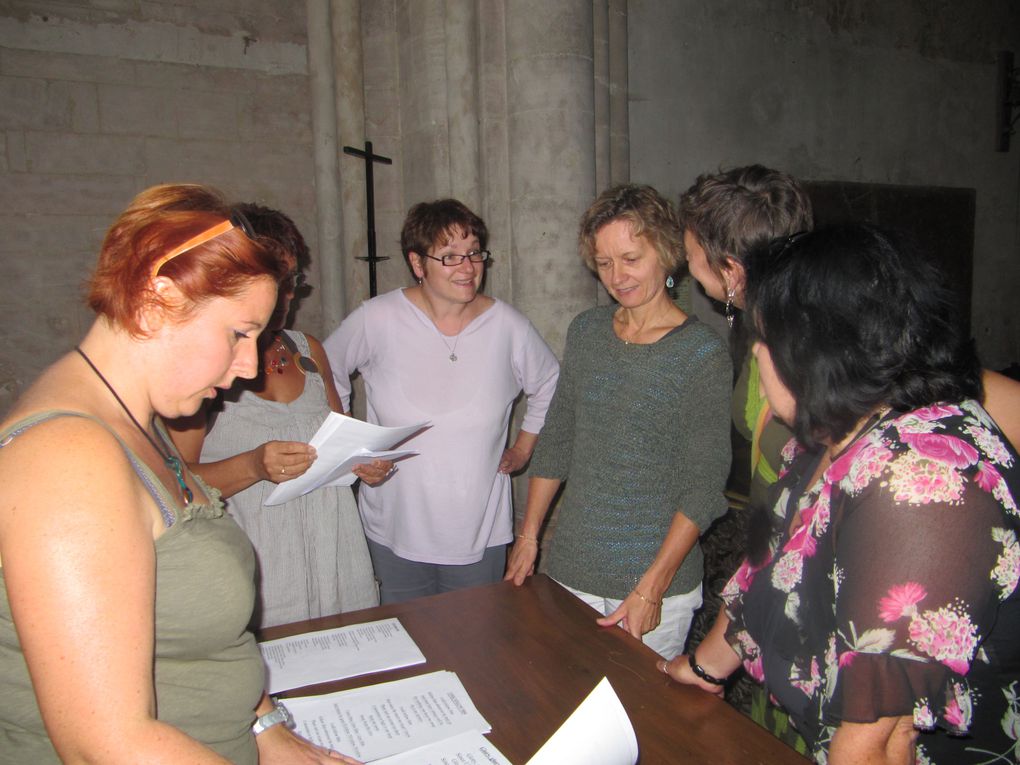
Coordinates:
[443,352]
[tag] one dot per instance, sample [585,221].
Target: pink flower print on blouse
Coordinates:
[901,601]
[924,718]
[937,412]
[959,711]
[807,685]
[740,581]
[861,463]
[788,570]
[947,635]
[989,479]
[940,447]
[990,443]
[790,450]
[751,656]
[1006,573]
[918,481]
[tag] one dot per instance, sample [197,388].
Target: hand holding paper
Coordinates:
[342,443]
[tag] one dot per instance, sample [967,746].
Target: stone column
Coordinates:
[550,110]
[349,105]
[327,179]
[619,94]
[462,101]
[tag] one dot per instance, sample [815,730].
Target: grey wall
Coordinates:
[896,92]
[101,100]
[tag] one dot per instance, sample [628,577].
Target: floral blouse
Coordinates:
[895,592]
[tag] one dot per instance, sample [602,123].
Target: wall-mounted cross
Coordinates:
[370,159]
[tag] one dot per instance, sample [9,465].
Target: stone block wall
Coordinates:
[101,100]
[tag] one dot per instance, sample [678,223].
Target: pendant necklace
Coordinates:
[169,459]
[451,348]
[281,361]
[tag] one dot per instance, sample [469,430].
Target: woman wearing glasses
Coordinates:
[125,589]
[311,552]
[442,351]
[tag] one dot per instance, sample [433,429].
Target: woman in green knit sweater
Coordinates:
[638,430]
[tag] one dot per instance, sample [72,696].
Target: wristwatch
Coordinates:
[279,714]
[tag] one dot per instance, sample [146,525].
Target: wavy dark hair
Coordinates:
[856,318]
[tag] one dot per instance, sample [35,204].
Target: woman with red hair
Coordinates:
[126,589]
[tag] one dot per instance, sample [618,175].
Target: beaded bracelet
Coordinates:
[646,600]
[528,538]
[698,670]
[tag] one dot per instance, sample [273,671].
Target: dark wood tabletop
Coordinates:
[529,655]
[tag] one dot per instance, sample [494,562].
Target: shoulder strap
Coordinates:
[152,484]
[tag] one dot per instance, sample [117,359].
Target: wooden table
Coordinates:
[529,655]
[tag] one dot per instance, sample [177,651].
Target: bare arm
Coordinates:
[516,457]
[275,461]
[641,609]
[521,565]
[76,541]
[887,741]
[714,655]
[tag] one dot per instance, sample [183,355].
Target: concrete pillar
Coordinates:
[600,51]
[348,67]
[325,150]
[619,94]
[550,106]
[462,101]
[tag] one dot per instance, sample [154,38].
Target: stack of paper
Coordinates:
[318,657]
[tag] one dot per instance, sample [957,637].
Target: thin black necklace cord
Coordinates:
[169,460]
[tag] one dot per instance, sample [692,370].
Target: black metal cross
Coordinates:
[369,158]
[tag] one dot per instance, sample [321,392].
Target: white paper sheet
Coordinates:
[469,748]
[336,442]
[598,732]
[388,718]
[317,657]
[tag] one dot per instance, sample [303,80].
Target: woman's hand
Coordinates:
[635,614]
[281,746]
[375,472]
[513,459]
[280,461]
[679,668]
[522,560]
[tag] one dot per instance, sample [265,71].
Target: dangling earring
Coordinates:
[669,282]
[729,312]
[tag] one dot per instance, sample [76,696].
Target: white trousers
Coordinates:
[677,614]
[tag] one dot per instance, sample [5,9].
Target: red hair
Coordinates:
[158,220]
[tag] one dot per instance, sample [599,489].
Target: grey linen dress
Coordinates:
[311,552]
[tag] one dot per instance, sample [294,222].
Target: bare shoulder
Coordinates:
[63,475]
[1002,402]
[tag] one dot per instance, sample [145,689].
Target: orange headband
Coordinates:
[195,241]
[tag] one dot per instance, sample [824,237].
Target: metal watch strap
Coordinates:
[278,714]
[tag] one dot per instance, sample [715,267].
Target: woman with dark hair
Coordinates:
[881,609]
[638,430]
[445,352]
[311,553]
[126,590]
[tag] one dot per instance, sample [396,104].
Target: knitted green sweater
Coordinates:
[638,432]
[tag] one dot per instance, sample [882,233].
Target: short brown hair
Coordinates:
[157,221]
[731,212]
[650,214]
[428,222]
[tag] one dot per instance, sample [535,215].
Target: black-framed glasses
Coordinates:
[455,258]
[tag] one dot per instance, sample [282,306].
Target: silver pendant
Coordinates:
[453,357]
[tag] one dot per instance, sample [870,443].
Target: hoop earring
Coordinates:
[669,282]
[729,312]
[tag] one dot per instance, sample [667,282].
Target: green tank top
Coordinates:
[208,671]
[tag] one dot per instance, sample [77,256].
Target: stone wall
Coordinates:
[100,100]
[854,90]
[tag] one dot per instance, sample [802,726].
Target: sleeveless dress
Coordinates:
[208,672]
[312,556]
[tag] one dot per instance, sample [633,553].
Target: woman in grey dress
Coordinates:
[311,551]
